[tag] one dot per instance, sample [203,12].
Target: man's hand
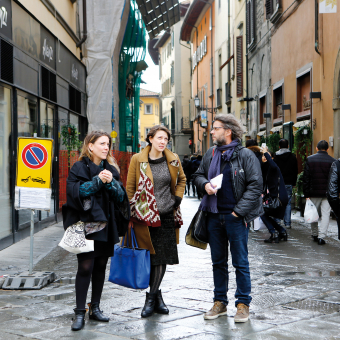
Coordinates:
[210,189]
[234,214]
[307,198]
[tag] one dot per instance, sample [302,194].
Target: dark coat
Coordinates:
[102,206]
[288,165]
[246,179]
[315,174]
[186,165]
[257,151]
[333,188]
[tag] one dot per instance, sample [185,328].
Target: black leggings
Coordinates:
[156,277]
[94,268]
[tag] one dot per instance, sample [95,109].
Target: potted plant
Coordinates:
[70,138]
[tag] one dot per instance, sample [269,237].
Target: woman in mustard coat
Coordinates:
[155,187]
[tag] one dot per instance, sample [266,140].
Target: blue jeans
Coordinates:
[224,228]
[288,213]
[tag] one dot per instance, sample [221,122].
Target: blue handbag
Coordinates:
[130,266]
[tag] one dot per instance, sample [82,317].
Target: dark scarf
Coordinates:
[209,202]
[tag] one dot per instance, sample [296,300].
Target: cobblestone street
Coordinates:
[295,290]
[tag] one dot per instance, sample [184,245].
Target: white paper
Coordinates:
[32,198]
[216,182]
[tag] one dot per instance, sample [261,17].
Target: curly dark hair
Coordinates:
[155,129]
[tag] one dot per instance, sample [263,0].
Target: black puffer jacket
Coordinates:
[247,181]
[333,188]
[315,174]
[287,163]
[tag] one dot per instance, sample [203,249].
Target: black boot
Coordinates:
[79,319]
[96,314]
[149,305]
[274,238]
[160,306]
[283,236]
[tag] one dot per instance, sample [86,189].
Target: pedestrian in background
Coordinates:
[315,181]
[96,196]
[287,163]
[333,191]
[229,209]
[186,165]
[193,168]
[156,179]
[273,187]
[252,145]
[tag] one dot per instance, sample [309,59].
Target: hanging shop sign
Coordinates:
[6,18]
[199,53]
[327,6]
[204,120]
[47,47]
[34,168]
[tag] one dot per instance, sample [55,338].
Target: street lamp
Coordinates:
[197,101]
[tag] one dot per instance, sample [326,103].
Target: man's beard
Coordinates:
[220,141]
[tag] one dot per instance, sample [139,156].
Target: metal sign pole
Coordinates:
[32,239]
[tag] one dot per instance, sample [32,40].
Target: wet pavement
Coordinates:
[295,290]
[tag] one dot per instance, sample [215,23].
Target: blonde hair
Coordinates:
[91,137]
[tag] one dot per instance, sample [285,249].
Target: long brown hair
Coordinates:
[91,137]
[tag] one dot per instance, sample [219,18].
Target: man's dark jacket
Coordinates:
[315,174]
[102,208]
[246,179]
[287,163]
[333,189]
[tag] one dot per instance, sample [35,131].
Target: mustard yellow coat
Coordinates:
[177,188]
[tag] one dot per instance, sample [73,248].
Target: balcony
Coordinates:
[186,125]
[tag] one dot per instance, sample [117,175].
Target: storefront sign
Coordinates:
[204,120]
[47,49]
[200,53]
[6,18]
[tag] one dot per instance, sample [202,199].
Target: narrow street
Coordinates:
[295,290]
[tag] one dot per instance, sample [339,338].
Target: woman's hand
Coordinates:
[130,224]
[102,177]
[107,176]
[265,149]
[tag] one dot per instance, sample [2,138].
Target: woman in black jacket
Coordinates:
[273,185]
[96,196]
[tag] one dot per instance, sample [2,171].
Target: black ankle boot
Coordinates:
[274,238]
[79,319]
[160,306]
[96,314]
[149,305]
[283,236]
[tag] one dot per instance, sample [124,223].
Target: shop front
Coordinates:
[42,88]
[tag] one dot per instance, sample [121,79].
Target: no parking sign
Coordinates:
[34,168]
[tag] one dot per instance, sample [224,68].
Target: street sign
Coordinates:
[113,134]
[34,166]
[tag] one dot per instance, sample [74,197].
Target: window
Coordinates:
[172,40]
[172,74]
[269,8]
[273,10]
[250,22]
[277,105]
[303,90]
[148,109]
[227,93]
[239,66]
[147,131]
[262,109]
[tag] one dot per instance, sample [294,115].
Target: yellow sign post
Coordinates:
[33,183]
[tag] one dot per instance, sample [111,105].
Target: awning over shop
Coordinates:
[276,129]
[297,125]
[159,15]
[261,133]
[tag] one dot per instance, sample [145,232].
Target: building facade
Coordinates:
[42,89]
[148,114]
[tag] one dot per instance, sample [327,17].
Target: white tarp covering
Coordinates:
[104,31]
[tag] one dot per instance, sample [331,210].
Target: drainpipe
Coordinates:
[79,43]
[317,27]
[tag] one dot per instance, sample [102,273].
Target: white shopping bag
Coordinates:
[311,213]
[258,224]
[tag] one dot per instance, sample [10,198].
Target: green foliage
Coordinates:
[70,139]
[272,142]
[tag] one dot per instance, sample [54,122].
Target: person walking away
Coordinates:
[287,163]
[195,165]
[273,185]
[187,171]
[156,180]
[252,145]
[333,191]
[237,202]
[193,169]
[95,196]
[315,181]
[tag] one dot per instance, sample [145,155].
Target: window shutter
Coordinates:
[269,8]
[248,23]
[239,66]
[253,16]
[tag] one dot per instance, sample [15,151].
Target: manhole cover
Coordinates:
[315,306]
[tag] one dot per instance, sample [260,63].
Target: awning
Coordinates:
[261,133]
[298,125]
[159,15]
[276,129]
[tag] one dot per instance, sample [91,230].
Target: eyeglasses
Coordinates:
[216,128]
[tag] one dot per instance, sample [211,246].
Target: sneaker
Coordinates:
[242,314]
[217,310]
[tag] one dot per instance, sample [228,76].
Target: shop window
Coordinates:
[262,109]
[303,100]
[27,117]
[75,99]
[148,109]
[46,120]
[277,105]
[239,66]
[6,61]
[48,84]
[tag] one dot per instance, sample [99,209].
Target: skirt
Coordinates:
[100,249]
[163,239]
